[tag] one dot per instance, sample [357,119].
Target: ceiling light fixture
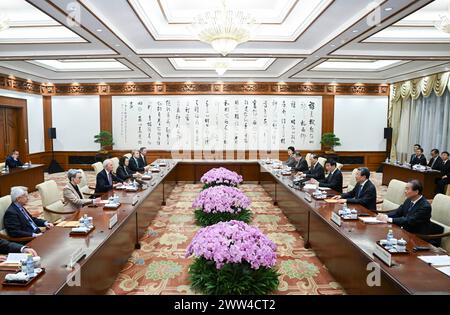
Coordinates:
[4,22]
[223,28]
[444,23]
[221,67]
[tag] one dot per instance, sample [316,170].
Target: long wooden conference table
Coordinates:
[21,176]
[346,250]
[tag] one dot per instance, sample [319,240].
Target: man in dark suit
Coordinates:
[414,214]
[13,161]
[291,162]
[435,162]
[142,159]
[7,247]
[300,163]
[364,192]
[445,172]
[334,178]
[418,158]
[18,221]
[135,163]
[106,180]
[315,171]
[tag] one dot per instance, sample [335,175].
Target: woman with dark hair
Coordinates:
[123,171]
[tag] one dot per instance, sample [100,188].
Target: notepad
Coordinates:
[15,258]
[445,270]
[324,188]
[331,200]
[310,186]
[436,260]
[370,220]
[69,224]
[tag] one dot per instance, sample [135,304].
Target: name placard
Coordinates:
[76,256]
[384,255]
[112,221]
[336,218]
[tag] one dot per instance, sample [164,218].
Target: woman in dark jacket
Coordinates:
[123,172]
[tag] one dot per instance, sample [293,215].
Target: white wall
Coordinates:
[359,122]
[77,120]
[35,117]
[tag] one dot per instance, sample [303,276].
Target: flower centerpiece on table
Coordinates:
[221,203]
[220,176]
[232,258]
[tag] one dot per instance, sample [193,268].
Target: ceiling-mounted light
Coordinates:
[221,67]
[224,28]
[4,22]
[444,23]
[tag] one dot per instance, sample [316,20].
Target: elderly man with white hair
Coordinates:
[18,221]
[106,180]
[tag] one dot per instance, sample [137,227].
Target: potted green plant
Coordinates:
[105,139]
[329,141]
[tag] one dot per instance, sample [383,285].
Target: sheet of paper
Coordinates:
[436,260]
[331,200]
[445,270]
[310,186]
[371,220]
[324,188]
[15,258]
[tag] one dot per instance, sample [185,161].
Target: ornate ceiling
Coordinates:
[63,41]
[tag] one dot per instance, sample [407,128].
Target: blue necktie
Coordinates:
[33,225]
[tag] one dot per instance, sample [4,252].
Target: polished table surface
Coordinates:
[21,176]
[408,273]
[427,177]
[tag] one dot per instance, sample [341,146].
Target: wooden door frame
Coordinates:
[21,105]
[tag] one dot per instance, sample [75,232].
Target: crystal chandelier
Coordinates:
[4,22]
[444,23]
[223,28]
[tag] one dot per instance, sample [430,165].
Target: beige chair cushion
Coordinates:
[308,157]
[395,195]
[115,162]
[128,155]
[322,161]
[440,214]
[49,192]
[2,165]
[56,206]
[352,182]
[98,167]
[5,202]
[84,181]
[339,166]
[448,190]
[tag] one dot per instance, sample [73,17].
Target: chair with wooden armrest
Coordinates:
[339,166]
[98,167]
[395,196]
[447,190]
[52,201]
[440,215]
[115,162]
[5,202]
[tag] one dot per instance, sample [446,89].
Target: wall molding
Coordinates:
[186,88]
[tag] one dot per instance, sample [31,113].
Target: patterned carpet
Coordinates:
[160,267]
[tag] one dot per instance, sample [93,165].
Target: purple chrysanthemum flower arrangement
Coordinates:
[221,176]
[233,242]
[221,199]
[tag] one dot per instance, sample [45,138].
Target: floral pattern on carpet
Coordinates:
[160,267]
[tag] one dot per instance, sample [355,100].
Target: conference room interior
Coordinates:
[224,147]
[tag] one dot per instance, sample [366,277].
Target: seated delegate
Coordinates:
[18,221]
[315,171]
[13,161]
[364,193]
[291,157]
[106,180]
[123,171]
[73,198]
[333,180]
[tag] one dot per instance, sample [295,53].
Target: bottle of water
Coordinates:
[389,237]
[30,266]
[7,169]
[85,221]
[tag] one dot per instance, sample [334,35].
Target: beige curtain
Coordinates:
[402,94]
